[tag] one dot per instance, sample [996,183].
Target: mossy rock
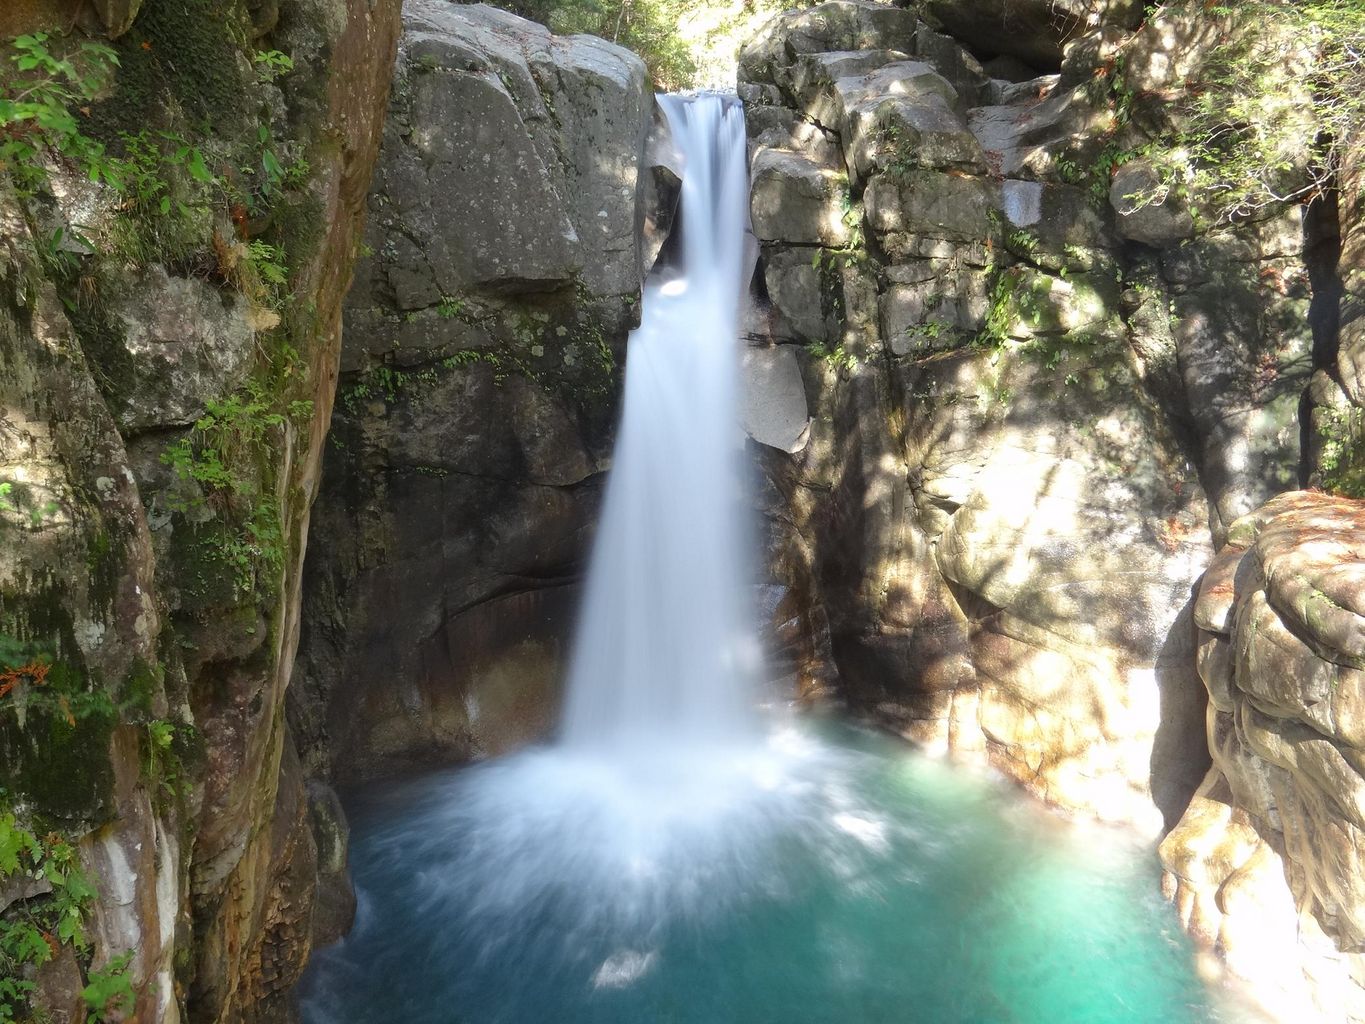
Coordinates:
[185,53]
[58,759]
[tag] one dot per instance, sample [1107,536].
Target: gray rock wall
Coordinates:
[1035,406]
[478,392]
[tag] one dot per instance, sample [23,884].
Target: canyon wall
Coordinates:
[478,390]
[169,346]
[1003,411]
[1033,411]
[1003,415]
[1039,401]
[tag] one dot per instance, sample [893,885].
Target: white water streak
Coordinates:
[666,650]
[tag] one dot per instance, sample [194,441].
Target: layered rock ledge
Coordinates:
[1266,865]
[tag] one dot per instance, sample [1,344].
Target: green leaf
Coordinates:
[26,944]
[14,841]
[271,165]
[198,169]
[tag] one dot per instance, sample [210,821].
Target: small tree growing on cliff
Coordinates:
[1240,147]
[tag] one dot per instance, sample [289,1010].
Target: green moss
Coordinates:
[102,340]
[60,765]
[203,567]
[139,689]
[104,565]
[180,54]
[36,622]
[54,736]
[299,227]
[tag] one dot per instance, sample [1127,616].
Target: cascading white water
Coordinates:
[665,652]
[670,859]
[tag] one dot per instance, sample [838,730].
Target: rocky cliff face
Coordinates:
[1032,407]
[1003,413]
[1265,865]
[164,407]
[479,382]
[1037,404]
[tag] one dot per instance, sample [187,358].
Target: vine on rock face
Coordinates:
[215,463]
[40,106]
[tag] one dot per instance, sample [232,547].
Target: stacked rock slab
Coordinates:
[1265,866]
[1017,457]
[475,404]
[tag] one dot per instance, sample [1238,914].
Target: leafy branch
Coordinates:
[1273,107]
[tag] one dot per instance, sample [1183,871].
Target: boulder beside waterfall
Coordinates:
[1264,866]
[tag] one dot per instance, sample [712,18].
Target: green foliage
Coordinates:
[109,993]
[648,27]
[1000,311]
[901,157]
[837,357]
[162,764]
[1109,89]
[33,681]
[39,108]
[1250,140]
[220,462]
[268,269]
[167,188]
[1341,459]
[272,65]
[929,334]
[388,383]
[32,930]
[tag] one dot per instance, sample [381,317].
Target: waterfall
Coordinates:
[673,857]
[665,652]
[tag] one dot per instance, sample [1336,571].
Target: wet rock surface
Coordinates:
[475,408]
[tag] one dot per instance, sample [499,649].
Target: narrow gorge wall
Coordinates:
[165,387]
[1032,414]
[478,393]
[1002,414]
[1265,865]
